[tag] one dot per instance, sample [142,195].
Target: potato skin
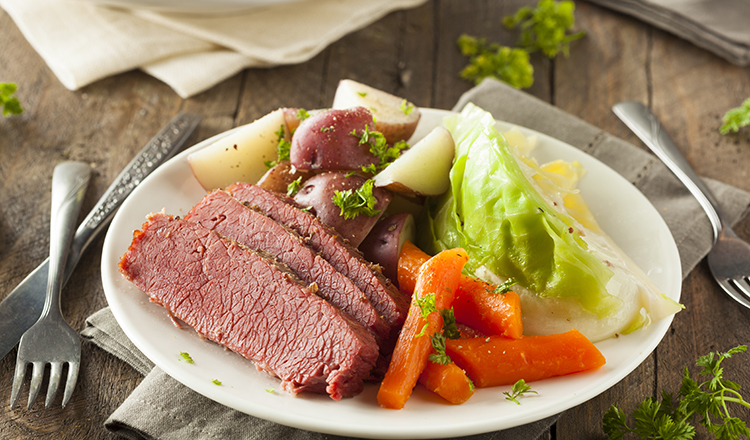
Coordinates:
[325,141]
[317,193]
[382,245]
[278,177]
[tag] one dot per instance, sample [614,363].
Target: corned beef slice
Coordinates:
[383,295]
[250,303]
[221,212]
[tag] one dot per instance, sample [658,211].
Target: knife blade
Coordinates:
[23,305]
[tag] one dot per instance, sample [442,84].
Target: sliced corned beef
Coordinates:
[250,303]
[221,212]
[383,295]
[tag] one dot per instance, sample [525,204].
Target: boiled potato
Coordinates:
[278,177]
[325,141]
[384,242]
[395,117]
[422,170]
[318,192]
[241,156]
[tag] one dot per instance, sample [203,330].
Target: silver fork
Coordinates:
[51,340]
[729,259]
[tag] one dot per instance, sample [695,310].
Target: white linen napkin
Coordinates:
[82,42]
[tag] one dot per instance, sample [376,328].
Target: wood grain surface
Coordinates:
[410,53]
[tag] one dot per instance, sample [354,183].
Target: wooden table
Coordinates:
[410,53]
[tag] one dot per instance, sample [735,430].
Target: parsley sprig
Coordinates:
[670,419]
[359,201]
[504,287]
[9,103]
[544,28]
[519,389]
[736,118]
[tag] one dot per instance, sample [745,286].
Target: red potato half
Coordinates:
[395,117]
[318,192]
[240,156]
[422,170]
[384,242]
[325,141]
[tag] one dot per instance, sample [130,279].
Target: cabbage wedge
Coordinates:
[520,220]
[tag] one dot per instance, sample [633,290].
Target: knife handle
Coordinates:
[158,150]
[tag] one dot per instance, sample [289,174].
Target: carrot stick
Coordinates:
[447,381]
[439,277]
[498,360]
[410,260]
[475,304]
[492,313]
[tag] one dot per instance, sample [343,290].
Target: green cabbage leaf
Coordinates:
[498,216]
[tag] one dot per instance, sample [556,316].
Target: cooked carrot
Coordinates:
[493,313]
[410,260]
[447,381]
[475,304]
[498,360]
[438,277]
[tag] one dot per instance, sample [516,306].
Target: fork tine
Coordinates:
[18,378]
[730,287]
[743,286]
[71,382]
[54,382]
[37,374]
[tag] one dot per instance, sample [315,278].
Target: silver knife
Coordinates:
[22,307]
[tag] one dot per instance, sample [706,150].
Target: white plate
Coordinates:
[621,210]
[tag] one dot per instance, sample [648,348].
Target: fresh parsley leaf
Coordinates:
[406,107]
[362,94]
[354,203]
[302,114]
[504,288]
[707,402]
[438,344]
[519,389]
[283,148]
[293,188]
[736,118]
[9,103]
[186,357]
[544,28]
[450,330]
[216,382]
[270,390]
[492,60]
[379,147]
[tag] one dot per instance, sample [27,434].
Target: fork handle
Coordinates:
[69,183]
[645,125]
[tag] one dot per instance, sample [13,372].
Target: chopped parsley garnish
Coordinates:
[283,148]
[359,201]
[216,382]
[9,103]
[270,390]
[450,330]
[407,107]
[503,288]
[362,94]
[379,148]
[426,305]
[708,402]
[302,114]
[186,357]
[519,389]
[736,118]
[438,344]
[293,188]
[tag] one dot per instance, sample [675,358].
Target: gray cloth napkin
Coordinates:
[162,408]
[720,26]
